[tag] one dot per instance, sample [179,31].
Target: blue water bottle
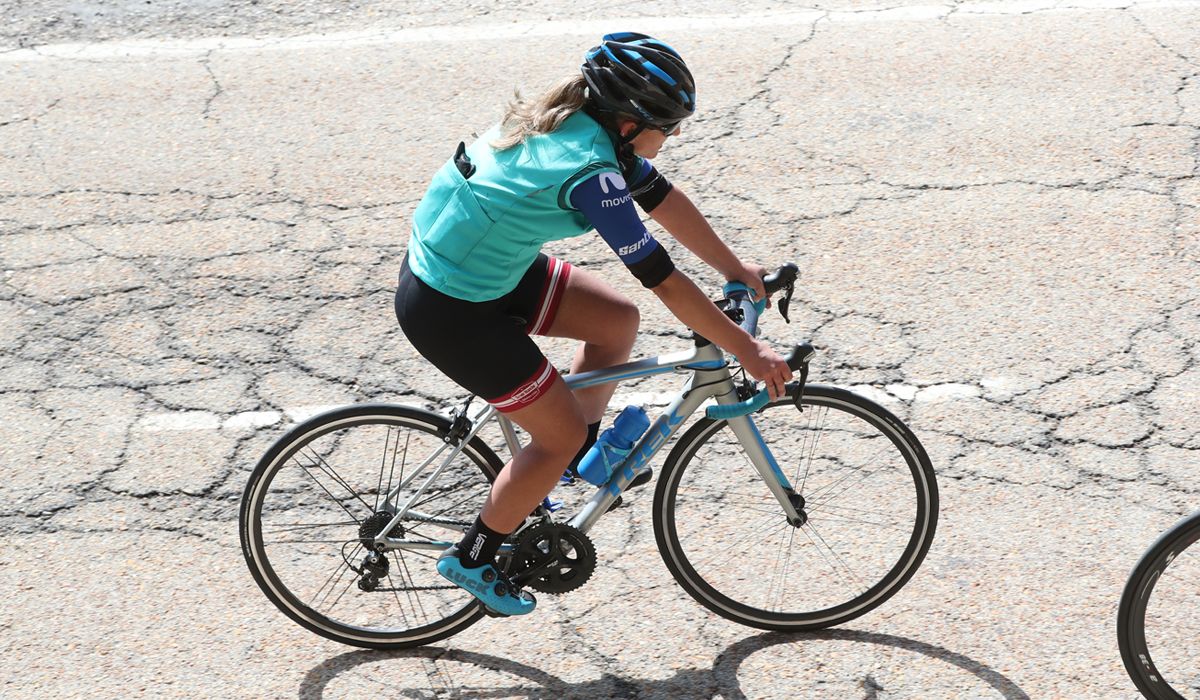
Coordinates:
[613,445]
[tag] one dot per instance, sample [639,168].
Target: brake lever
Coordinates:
[785,301]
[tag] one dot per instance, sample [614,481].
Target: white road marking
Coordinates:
[947,392]
[904,392]
[297,414]
[253,420]
[507,31]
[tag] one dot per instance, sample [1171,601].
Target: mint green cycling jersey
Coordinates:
[473,238]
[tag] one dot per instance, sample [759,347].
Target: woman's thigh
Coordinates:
[593,311]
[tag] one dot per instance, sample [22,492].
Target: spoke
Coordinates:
[835,554]
[408,574]
[387,436]
[333,498]
[303,526]
[343,593]
[830,511]
[451,490]
[328,469]
[787,562]
[391,472]
[763,534]
[775,572]
[829,487]
[752,509]
[333,578]
[693,488]
[416,530]
[807,460]
[832,566]
[396,594]
[342,541]
[835,518]
[805,432]
[418,552]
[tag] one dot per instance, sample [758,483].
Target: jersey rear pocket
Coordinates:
[449,220]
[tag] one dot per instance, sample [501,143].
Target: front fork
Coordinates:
[759,453]
[764,462]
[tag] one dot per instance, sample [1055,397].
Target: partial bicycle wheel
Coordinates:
[318,496]
[1158,623]
[870,497]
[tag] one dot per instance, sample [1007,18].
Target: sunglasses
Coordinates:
[670,127]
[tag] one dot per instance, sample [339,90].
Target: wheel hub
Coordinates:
[801,516]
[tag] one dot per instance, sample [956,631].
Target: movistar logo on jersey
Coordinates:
[612,181]
[631,249]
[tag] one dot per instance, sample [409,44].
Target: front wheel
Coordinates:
[1158,621]
[323,491]
[870,497]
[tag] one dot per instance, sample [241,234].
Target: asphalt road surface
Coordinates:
[203,207]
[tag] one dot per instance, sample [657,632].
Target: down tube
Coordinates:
[657,435]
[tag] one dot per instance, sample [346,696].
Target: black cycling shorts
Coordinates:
[485,346]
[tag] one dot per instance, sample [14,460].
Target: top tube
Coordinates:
[707,357]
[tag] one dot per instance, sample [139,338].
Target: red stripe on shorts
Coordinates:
[529,391]
[557,274]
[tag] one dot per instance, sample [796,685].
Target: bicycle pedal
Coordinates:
[641,479]
[615,504]
[492,613]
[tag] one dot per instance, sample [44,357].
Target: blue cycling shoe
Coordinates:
[491,587]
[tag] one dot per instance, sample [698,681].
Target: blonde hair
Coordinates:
[543,115]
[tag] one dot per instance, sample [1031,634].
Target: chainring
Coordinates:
[552,558]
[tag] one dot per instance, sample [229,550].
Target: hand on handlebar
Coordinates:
[767,366]
[752,277]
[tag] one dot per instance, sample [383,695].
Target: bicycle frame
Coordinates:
[710,379]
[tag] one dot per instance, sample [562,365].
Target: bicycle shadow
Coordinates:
[687,684]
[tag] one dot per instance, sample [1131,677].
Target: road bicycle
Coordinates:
[1158,621]
[794,514]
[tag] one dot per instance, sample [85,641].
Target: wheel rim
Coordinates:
[1163,603]
[729,540]
[306,512]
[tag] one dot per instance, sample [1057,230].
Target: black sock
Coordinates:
[479,545]
[593,433]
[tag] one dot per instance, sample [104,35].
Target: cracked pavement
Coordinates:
[995,207]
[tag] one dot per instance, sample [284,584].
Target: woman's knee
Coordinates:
[555,422]
[563,439]
[627,318]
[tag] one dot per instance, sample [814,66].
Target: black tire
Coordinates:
[1158,621]
[310,494]
[715,520]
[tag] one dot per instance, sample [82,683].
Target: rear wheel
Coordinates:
[869,494]
[315,500]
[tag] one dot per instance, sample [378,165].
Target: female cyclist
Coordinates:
[475,285]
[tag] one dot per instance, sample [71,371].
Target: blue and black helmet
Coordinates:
[636,75]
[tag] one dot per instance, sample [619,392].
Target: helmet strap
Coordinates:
[625,147]
[628,139]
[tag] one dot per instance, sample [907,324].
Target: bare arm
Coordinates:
[689,305]
[686,224]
